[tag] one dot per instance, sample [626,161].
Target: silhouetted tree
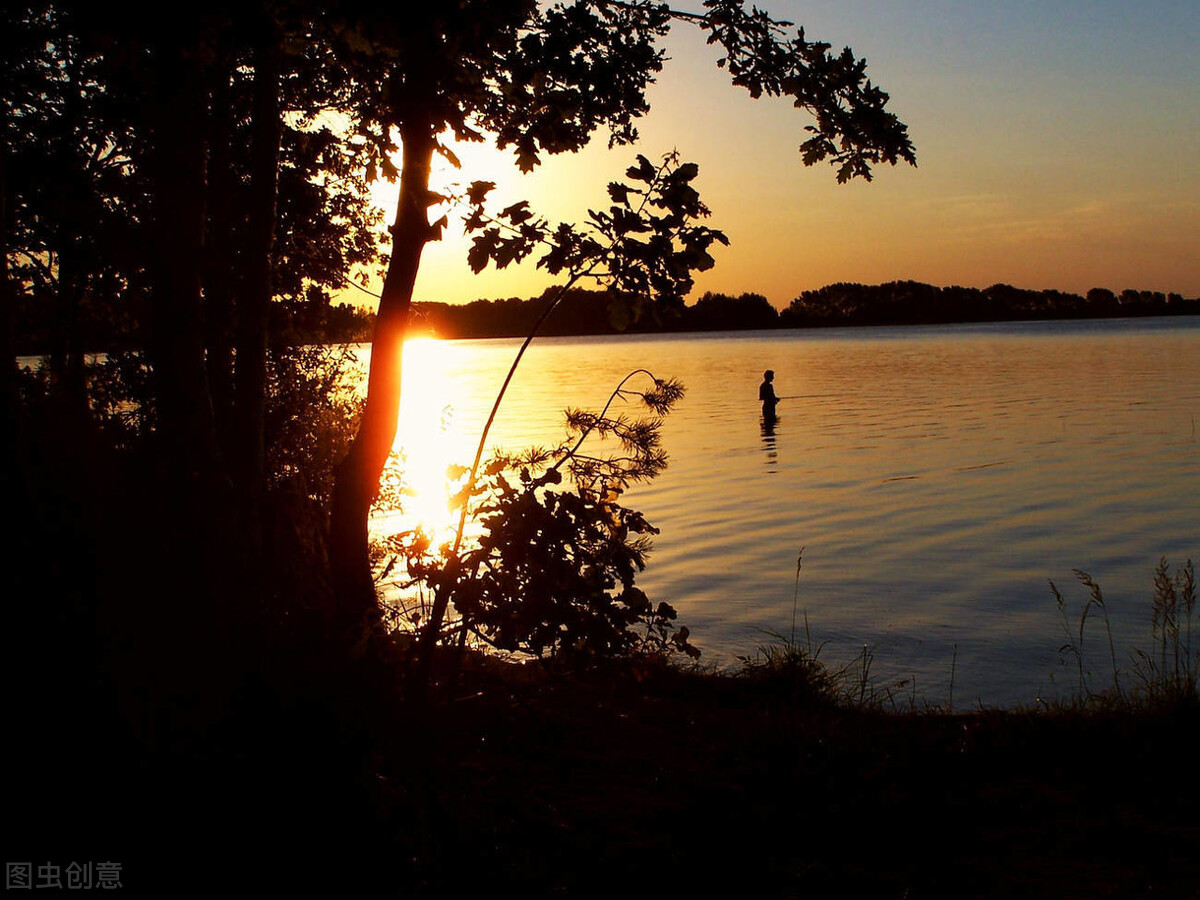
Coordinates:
[69,208]
[909,302]
[722,312]
[186,167]
[181,170]
[542,80]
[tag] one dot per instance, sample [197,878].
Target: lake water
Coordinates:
[936,477]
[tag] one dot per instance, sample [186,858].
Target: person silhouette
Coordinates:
[766,393]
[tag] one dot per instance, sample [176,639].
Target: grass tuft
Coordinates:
[1164,677]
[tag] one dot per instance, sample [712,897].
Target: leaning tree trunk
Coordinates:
[357,476]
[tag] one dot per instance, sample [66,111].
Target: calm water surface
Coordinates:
[936,477]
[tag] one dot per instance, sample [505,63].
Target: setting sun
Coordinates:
[444,273]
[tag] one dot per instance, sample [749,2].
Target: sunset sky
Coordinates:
[1058,147]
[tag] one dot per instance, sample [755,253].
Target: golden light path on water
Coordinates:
[427,443]
[427,440]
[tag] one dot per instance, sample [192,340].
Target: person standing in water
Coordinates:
[766,393]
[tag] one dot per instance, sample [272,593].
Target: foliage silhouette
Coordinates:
[551,572]
[604,251]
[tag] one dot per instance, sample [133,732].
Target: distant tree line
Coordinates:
[310,317]
[590,312]
[914,303]
[894,303]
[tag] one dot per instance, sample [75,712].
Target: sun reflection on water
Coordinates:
[430,438]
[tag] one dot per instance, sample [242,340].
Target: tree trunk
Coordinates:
[8,315]
[178,169]
[357,476]
[66,352]
[254,303]
[68,384]
[221,253]
[195,643]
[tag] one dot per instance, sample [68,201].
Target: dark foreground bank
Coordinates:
[635,780]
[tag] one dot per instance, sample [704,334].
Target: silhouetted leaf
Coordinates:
[517,213]
[482,248]
[643,171]
[619,192]
[448,155]
[478,191]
